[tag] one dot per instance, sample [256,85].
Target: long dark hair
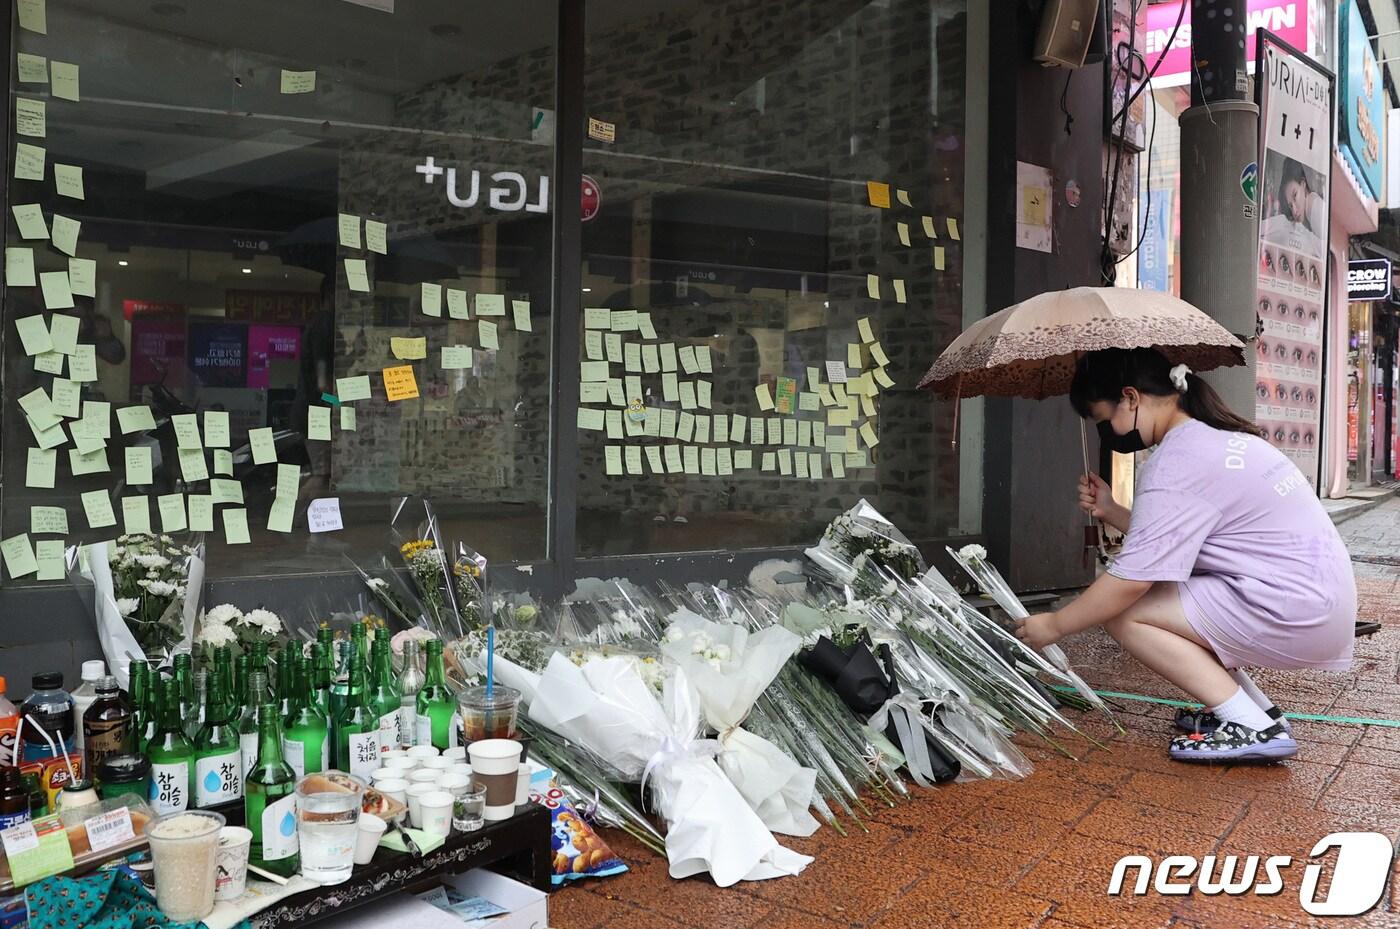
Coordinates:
[1103,375]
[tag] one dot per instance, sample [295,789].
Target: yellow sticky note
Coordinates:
[490,305]
[939,262]
[866,333]
[457,304]
[953,230]
[201,509]
[216,429]
[263,448]
[408,349]
[902,196]
[348,230]
[33,69]
[377,236]
[30,117]
[49,553]
[838,466]
[623,320]
[57,293]
[65,81]
[33,16]
[39,469]
[521,311]
[612,457]
[19,555]
[877,351]
[872,286]
[82,276]
[235,527]
[668,356]
[456,357]
[357,275]
[34,334]
[350,389]
[136,515]
[138,465]
[48,520]
[347,419]
[172,512]
[29,217]
[49,363]
[878,193]
[65,234]
[186,430]
[279,515]
[867,434]
[883,379]
[29,162]
[633,456]
[765,397]
[903,229]
[19,267]
[597,317]
[227,490]
[135,419]
[899,290]
[432,299]
[68,181]
[400,383]
[853,355]
[98,508]
[193,466]
[318,423]
[223,460]
[82,364]
[589,418]
[298,82]
[489,338]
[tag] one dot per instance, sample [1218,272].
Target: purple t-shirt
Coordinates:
[1263,574]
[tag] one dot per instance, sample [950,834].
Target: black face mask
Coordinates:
[1126,444]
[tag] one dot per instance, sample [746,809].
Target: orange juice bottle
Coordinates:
[9,729]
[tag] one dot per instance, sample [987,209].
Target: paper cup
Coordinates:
[455,784]
[396,789]
[436,808]
[231,862]
[385,774]
[386,754]
[456,754]
[496,766]
[419,752]
[368,831]
[461,767]
[522,785]
[416,793]
[436,764]
[424,775]
[401,762]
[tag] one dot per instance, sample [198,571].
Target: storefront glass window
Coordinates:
[730,152]
[238,160]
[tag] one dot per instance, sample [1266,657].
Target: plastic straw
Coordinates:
[73,775]
[490,669]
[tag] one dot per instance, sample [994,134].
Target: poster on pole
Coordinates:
[1293,188]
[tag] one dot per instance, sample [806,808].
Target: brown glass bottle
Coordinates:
[108,725]
[14,799]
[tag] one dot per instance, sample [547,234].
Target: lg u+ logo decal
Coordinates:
[1359,874]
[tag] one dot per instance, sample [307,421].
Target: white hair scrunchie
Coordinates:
[1178,376]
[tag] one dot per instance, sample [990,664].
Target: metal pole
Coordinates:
[1219,214]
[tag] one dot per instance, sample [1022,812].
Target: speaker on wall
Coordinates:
[1067,30]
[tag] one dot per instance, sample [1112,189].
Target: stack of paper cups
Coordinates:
[496,766]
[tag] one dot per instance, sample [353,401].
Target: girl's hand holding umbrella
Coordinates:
[1096,499]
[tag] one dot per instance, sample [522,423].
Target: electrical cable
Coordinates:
[1108,267]
[1147,180]
[1166,47]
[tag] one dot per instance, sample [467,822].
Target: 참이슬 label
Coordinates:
[170,787]
[218,779]
[279,829]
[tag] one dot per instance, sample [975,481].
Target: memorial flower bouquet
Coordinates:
[146,591]
[227,625]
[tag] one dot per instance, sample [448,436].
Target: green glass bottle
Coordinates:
[286,697]
[341,684]
[139,676]
[360,640]
[195,724]
[357,728]
[188,705]
[260,662]
[171,754]
[223,667]
[436,704]
[269,800]
[240,682]
[306,745]
[384,694]
[248,721]
[218,767]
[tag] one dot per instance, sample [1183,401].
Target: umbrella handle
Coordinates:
[957,406]
[1093,533]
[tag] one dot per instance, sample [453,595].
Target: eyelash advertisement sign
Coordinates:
[1295,149]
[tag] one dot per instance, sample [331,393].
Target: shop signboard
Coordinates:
[1286,19]
[1368,279]
[157,349]
[268,345]
[1156,224]
[219,353]
[1295,130]
[1361,122]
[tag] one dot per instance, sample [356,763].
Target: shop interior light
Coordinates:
[247,270]
[122,261]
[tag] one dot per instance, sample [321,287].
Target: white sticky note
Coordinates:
[34,333]
[612,457]
[48,520]
[82,364]
[172,512]
[929,231]
[645,327]
[29,217]
[57,293]
[29,162]
[940,261]
[668,356]
[357,275]
[347,419]
[612,342]
[490,305]
[138,465]
[31,117]
[98,508]
[82,276]
[689,362]
[902,196]
[262,446]
[323,515]
[623,320]
[456,357]
[457,304]
[590,419]
[49,553]
[19,558]
[489,338]
[186,427]
[201,513]
[235,525]
[953,230]
[318,423]
[520,309]
[33,15]
[704,360]
[65,81]
[377,236]
[135,419]
[867,434]
[350,389]
[216,429]
[298,82]
[19,267]
[431,299]
[39,469]
[68,181]
[651,359]
[223,460]
[65,234]
[33,69]
[597,317]
[136,515]
[193,465]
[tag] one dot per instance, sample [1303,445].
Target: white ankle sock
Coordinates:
[1248,686]
[1242,709]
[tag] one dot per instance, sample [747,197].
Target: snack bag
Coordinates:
[578,852]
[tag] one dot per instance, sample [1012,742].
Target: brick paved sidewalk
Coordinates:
[1039,852]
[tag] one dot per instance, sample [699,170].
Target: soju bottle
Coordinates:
[359,639]
[223,668]
[340,681]
[240,682]
[218,767]
[357,727]
[306,746]
[186,696]
[436,704]
[260,663]
[384,695]
[320,676]
[195,724]
[269,800]
[286,683]
[142,721]
[171,754]
[248,722]
[410,682]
